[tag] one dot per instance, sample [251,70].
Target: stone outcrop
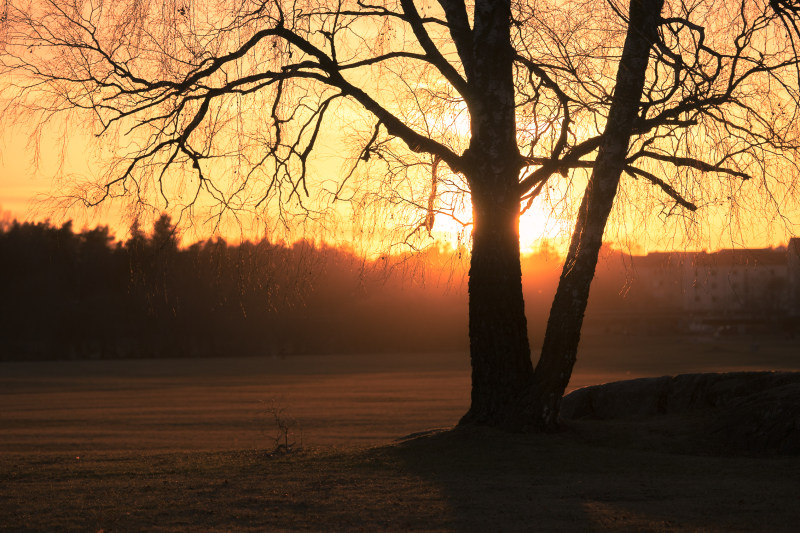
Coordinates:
[743,412]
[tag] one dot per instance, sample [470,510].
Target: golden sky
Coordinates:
[31,182]
[29,189]
[29,186]
[640,222]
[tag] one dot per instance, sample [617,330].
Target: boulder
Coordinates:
[743,412]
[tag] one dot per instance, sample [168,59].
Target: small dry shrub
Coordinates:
[286,429]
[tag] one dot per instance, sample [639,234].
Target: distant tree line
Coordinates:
[68,294]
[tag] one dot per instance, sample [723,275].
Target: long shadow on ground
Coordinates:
[696,452]
[492,481]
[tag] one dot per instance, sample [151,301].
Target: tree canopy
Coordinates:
[221,106]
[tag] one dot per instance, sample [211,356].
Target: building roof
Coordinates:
[745,257]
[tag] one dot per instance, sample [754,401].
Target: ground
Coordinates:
[184,446]
[479,481]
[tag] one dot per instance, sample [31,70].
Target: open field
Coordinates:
[181,445]
[475,482]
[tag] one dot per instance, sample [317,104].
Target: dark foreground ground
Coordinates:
[185,446]
[454,481]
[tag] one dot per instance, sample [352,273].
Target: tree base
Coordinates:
[525,416]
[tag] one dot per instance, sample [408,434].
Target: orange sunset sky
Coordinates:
[760,212]
[28,186]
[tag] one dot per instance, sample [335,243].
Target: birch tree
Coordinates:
[225,104]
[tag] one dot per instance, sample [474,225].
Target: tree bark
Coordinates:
[506,392]
[562,335]
[499,349]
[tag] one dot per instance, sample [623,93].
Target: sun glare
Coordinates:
[536,225]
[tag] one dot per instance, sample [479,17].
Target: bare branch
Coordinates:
[666,187]
[432,51]
[688,162]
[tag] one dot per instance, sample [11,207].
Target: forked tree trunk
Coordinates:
[506,392]
[566,315]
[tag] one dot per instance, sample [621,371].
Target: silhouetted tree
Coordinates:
[703,89]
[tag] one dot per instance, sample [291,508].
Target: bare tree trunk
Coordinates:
[566,314]
[499,350]
[501,363]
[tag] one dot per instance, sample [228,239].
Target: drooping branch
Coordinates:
[396,127]
[691,162]
[666,187]
[431,214]
[123,86]
[563,99]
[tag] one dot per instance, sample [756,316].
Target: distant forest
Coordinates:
[70,295]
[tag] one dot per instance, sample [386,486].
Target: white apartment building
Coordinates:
[742,283]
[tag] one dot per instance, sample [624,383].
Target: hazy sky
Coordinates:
[19,184]
[25,189]
[27,185]
[27,182]
[639,222]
